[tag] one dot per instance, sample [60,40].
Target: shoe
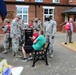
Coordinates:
[24,59]
[30,58]
[70,42]
[51,54]
[14,54]
[18,56]
[65,42]
[4,52]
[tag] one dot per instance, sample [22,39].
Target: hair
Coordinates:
[42,32]
[39,19]
[35,29]
[31,20]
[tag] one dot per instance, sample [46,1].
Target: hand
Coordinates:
[30,37]
[24,28]
[34,41]
[52,37]
[2,26]
[16,37]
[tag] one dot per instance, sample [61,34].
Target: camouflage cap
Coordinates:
[18,16]
[6,20]
[36,19]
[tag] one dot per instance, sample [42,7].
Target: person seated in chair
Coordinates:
[37,45]
[35,34]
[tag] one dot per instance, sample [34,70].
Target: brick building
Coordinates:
[29,9]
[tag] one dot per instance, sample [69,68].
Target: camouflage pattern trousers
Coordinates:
[51,41]
[6,40]
[15,45]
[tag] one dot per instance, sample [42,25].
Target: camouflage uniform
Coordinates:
[6,36]
[40,24]
[49,31]
[37,25]
[22,32]
[15,35]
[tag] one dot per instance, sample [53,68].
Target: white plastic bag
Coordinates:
[16,70]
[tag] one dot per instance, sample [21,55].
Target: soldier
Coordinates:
[6,29]
[36,25]
[23,27]
[40,23]
[49,31]
[15,34]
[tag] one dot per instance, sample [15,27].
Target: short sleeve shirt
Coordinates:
[40,42]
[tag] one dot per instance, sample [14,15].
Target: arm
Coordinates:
[5,28]
[36,39]
[54,28]
[71,27]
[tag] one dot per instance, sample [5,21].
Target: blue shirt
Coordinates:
[3,11]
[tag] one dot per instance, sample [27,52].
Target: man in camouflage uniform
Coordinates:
[49,31]
[37,25]
[15,34]
[40,24]
[22,31]
[6,30]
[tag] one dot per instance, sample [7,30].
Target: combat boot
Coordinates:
[4,52]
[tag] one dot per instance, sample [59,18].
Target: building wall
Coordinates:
[11,9]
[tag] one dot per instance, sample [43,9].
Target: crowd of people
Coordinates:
[42,33]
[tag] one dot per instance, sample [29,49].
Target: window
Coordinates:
[56,1]
[23,12]
[38,0]
[48,11]
[19,0]
[70,0]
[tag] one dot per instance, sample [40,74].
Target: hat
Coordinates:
[47,16]
[18,16]
[6,20]
[36,19]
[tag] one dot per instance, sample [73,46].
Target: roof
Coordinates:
[70,11]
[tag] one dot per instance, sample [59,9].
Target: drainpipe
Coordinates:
[67,1]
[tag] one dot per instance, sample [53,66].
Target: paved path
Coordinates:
[63,62]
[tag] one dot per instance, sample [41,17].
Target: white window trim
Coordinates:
[48,7]
[23,7]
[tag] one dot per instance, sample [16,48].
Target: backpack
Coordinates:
[67,26]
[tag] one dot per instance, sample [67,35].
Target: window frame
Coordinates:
[20,6]
[47,7]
